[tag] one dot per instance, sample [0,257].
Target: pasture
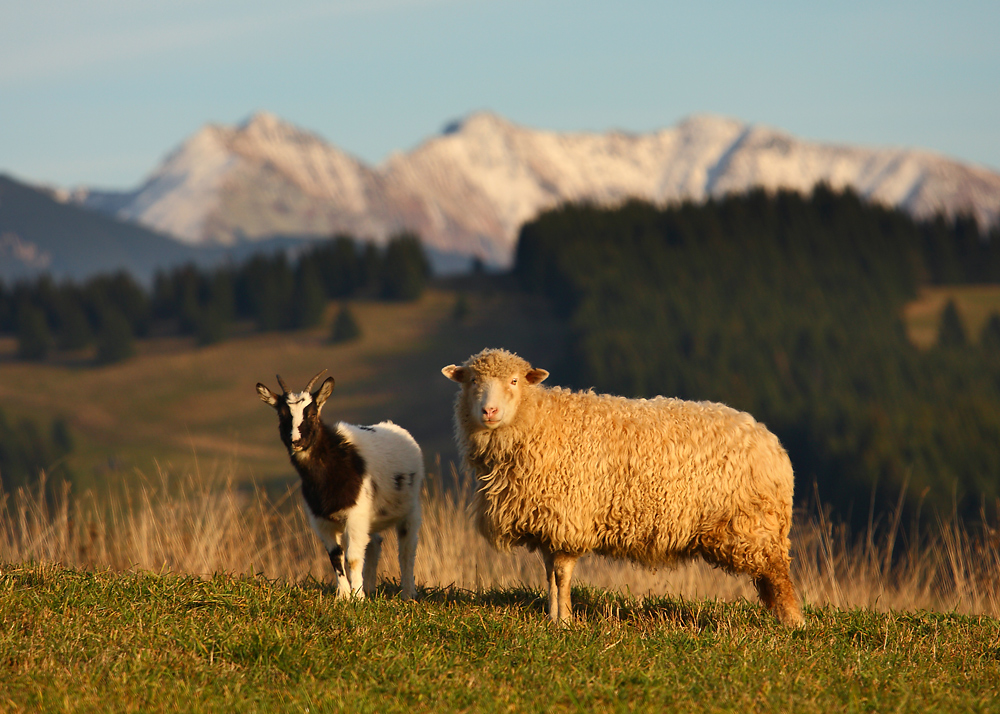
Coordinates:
[178,572]
[97,641]
[198,596]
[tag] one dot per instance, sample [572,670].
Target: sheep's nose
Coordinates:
[490,413]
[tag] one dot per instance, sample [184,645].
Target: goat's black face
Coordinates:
[298,414]
[299,429]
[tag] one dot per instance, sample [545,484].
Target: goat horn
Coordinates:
[284,387]
[313,380]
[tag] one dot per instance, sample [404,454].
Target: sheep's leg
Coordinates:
[777,593]
[550,579]
[372,555]
[407,532]
[559,573]
[563,564]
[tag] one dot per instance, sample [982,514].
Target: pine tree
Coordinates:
[73,331]
[115,341]
[406,269]
[34,338]
[951,333]
[211,326]
[460,312]
[309,299]
[989,338]
[345,326]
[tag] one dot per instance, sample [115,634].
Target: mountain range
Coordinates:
[468,190]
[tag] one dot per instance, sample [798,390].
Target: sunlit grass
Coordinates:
[198,527]
[187,594]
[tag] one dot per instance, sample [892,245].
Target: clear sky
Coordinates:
[96,92]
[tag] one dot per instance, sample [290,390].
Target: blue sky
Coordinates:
[96,92]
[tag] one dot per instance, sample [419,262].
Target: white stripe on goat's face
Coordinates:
[297,404]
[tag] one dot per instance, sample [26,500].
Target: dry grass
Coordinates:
[197,528]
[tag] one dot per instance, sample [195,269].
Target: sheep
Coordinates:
[658,481]
[357,481]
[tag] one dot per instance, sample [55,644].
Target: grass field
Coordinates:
[97,641]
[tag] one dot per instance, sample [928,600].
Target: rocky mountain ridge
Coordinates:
[469,190]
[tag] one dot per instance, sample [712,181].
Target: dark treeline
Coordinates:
[26,450]
[272,292]
[789,307]
[107,313]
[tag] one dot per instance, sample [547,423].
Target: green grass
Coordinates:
[97,641]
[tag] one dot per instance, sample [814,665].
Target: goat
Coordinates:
[356,482]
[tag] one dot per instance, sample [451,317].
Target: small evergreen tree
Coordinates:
[339,266]
[211,326]
[460,312]
[73,331]
[34,338]
[989,338]
[6,309]
[309,299]
[370,268]
[115,341]
[26,450]
[406,269]
[345,326]
[951,332]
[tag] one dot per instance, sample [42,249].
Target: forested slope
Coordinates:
[789,307]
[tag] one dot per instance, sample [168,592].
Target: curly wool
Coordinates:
[656,481]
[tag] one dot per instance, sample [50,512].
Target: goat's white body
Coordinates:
[389,497]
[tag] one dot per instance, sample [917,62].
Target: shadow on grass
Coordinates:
[589,605]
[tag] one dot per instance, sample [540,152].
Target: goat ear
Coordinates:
[266,395]
[455,373]
[325,390]
[535,376]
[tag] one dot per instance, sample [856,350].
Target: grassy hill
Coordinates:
[96,641]
[184,409]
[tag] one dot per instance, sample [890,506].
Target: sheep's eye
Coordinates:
[514,380]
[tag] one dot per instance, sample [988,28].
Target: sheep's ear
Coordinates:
[455,373]
[266,395]
[534,376]
[325,390]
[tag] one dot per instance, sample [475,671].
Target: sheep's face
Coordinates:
[493,385]
[298,413]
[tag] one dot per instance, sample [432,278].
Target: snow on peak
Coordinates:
[471,187]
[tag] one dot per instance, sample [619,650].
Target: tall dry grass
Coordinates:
[198,527]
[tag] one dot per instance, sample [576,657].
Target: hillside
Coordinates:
[792,308]
[184,409]
[39,234]
[469,190]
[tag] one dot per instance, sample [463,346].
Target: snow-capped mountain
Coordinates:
[470,189]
